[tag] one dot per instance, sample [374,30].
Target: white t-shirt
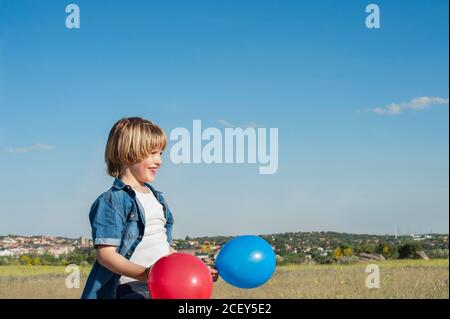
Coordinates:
[154,244]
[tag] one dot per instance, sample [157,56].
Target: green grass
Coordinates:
[37,282]
[398,279]
[36,271]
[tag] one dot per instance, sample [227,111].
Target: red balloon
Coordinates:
[180,276]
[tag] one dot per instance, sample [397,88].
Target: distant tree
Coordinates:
[338,253]
[63,261]
[408,250]
[323,259]
[293,258]
[205,249]
[7,260]
[387,250]
[25,260]
[76,257]
[438,253]
[36,261]
[347,252]
[368,248]
[49,260]
[91,257]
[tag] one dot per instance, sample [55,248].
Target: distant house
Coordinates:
[193,243]
[84,242]
[6,253]
[187,251]
[8,240]
[57,251]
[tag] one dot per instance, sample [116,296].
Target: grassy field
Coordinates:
[398,279]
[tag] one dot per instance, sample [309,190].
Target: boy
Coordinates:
[131,222]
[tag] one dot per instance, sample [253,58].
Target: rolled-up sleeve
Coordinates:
[106,222]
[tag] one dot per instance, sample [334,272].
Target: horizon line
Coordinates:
[288,232]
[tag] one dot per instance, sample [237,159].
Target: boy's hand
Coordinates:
[145,274]
[212,269]
[214,273]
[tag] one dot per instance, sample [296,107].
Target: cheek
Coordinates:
[146,163]
[140,168]
[144,169]
[143,174]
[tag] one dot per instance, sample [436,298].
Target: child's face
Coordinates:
[145,171]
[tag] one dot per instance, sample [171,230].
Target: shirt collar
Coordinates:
[119,184]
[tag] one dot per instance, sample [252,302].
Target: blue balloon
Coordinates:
[246,262]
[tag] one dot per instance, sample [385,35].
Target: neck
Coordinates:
[129,179]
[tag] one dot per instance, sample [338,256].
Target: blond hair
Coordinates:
[130,141]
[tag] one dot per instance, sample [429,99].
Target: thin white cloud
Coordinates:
[247,125]
[250,125]
[417,104]
[226,123]
[33,148]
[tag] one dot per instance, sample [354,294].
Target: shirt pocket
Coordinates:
[131,230]
[133,216]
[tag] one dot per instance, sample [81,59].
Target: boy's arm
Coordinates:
[112,260]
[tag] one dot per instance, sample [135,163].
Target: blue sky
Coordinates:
[309,68]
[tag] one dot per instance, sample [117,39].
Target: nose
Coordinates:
[158,160]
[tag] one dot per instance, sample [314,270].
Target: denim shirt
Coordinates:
[117,219]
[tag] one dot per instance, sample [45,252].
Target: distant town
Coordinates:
[293,247]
